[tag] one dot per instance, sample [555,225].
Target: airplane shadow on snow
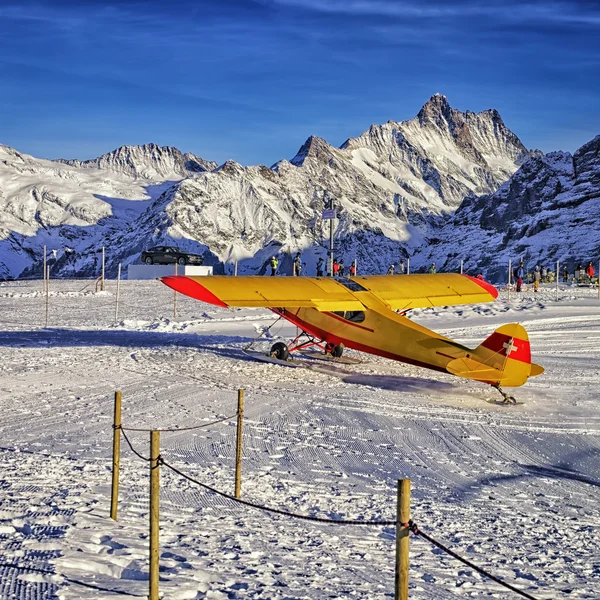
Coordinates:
[57,338]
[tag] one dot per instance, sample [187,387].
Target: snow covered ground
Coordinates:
[512,488]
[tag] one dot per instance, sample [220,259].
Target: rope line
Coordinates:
[180,428]
[275,510]
[413,527]
[131,445]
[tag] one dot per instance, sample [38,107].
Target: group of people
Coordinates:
[339,269]
[543,275]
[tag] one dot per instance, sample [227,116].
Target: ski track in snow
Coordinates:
[514,489]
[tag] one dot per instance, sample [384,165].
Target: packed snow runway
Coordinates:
[515,489]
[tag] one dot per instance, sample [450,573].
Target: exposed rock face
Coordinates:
[548,211]
[148,162]
[390,187]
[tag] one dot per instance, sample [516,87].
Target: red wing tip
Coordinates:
[193,289]
[488,287]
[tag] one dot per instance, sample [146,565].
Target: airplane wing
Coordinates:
[398,292]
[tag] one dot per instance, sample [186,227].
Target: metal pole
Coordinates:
[47,291]
[154,511]
[102,279]
[175,298]
[44,275]
[114,496]
[598,280]
[331,242]
[408,266]
[509,270]
[235,269]
[118,289]
[461,266]
[402,540]
[238,445]
[557,275]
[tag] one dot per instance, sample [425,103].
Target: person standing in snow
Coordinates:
[297,267]
[565,275]
[589,271]
[352,269]
[401,267]
[336,267]
[432,268]
[320,263]
[537,275]
[520,273]
[391,270]
[274,263]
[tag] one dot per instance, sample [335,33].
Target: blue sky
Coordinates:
[251,80]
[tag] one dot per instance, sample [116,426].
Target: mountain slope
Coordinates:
[548,211]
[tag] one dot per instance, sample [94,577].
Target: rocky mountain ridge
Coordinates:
[392,187]
[548,211]
[148,161]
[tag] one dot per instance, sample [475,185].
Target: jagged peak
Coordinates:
[313,147]
[230,167]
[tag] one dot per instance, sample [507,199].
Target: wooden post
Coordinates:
[47,291]
[402,540]
[102,279]
[154,512]
[114,495]
[238,445]
[118,289]
[175,297]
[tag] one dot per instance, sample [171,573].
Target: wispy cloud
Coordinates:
[569,12]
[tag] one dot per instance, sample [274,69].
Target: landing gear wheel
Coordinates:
[337,351]
[149,260]
[181,260]
[280,351]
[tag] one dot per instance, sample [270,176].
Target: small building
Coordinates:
[155,271]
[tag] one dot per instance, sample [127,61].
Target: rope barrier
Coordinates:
[181,428]
[413,527]
[275,510]
[131,446]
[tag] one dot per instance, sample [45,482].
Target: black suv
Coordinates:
[166,255]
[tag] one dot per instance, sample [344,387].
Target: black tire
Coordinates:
[337,351]
[149,260]
[280,351]
[181,260]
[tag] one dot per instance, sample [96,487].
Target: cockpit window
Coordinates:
[351,285]
[356,316]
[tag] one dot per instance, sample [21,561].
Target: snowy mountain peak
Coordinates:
[314,147]
[148,161]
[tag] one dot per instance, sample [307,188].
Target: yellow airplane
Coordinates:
[369,314]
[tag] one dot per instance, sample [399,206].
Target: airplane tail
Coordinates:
[503,359]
